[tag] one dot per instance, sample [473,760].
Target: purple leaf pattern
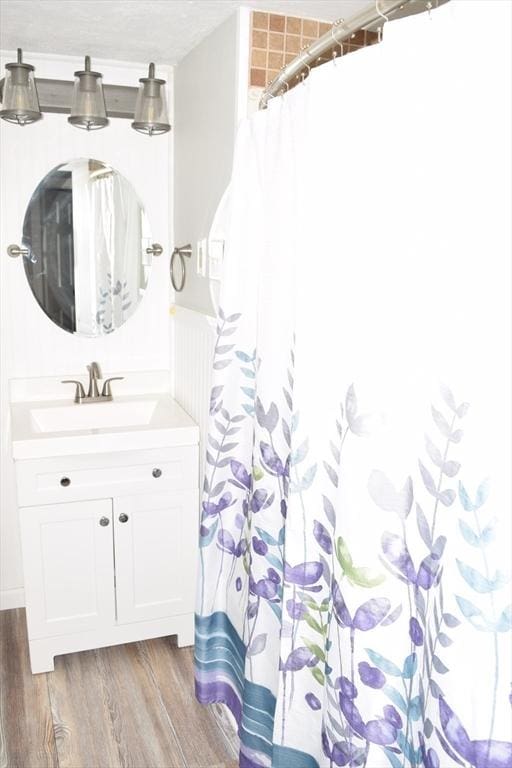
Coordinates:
[359,643]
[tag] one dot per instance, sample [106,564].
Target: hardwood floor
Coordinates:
[127,706]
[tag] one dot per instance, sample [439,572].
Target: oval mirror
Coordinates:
[87,238]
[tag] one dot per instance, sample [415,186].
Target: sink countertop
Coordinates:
[168,426]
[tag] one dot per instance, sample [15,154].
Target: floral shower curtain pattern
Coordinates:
[354,581]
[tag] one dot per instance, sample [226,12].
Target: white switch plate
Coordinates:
[201,257]
[216,256]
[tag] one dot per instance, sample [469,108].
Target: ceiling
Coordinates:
[137,30]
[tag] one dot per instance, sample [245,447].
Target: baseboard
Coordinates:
[44,649]
[12,598]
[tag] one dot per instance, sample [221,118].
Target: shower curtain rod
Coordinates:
[339,32]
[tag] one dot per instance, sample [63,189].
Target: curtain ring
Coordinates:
[185,250]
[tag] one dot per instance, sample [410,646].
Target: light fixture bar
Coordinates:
[56,95]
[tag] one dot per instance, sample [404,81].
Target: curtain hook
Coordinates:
[302,74]
[383,16]
[336,42]
[285,88]
[429,8]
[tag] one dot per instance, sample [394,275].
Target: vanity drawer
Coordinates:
[76,478]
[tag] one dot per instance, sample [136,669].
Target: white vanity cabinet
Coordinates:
[69,568]
[109,543]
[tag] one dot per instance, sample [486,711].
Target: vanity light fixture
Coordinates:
[151,109]
[20,103]
[88,107]
[90,104]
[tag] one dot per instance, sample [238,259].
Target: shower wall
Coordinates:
[277,39]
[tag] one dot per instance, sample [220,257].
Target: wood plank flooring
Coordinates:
[127,706]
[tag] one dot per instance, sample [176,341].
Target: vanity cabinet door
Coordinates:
[69,567]
[155,543]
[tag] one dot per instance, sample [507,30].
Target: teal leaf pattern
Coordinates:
[480,583]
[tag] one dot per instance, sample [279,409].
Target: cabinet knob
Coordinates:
[65,481]
[123,518]
[157,473]
[104,521]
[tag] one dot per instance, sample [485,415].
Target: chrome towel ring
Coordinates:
[184,250]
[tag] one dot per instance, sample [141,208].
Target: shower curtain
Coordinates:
[354,577]
[117,250]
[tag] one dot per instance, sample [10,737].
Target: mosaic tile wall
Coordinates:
[276,40]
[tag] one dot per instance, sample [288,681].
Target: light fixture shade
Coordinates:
[88,109]
[151,107]
[19,99]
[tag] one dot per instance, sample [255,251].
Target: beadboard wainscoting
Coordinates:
[194,342]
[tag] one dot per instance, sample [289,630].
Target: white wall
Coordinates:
[211,85]
[31,345]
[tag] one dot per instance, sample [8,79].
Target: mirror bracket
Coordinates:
[155,250]
[15,250]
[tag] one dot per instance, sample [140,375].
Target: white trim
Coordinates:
[12,598]
[46,63]
[195,315]
[243,66]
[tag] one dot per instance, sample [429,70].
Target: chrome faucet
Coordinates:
[94,374]
[93,394]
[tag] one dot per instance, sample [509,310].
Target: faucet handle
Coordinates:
[79,392]
[106,391]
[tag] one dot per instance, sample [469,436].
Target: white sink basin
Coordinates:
[74,418]
[144,418]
